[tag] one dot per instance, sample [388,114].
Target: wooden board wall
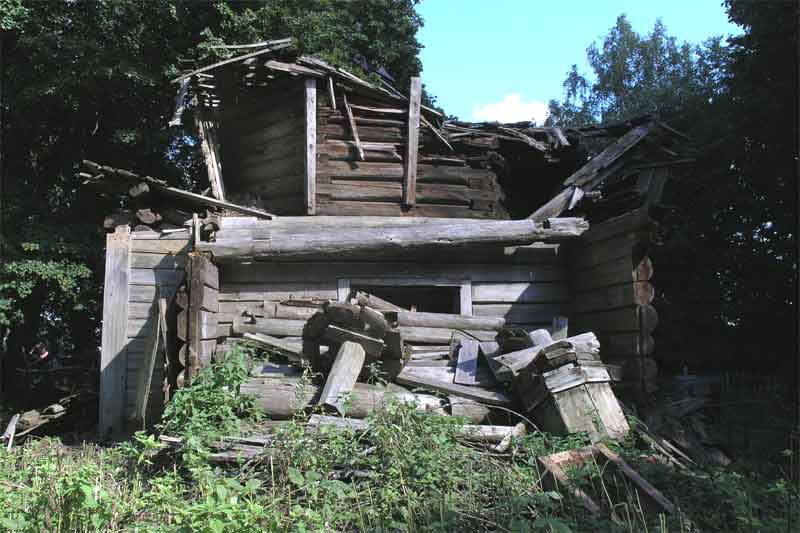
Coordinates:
[346,184]
[609,273]
[155,260]
[527,290]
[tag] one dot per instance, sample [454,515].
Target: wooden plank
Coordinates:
[631,245]
[560,328]
[335,334]
[465,297]
[331,94]
[342,376]
[353,128]
[653,493]
[483,293]
[161,246]
[113,363]
[635,318]
[634,221]
[380,209]
[444,320]
[210,154]
[310,161]
[440,335]
[269,326]
[278,291]
[157,340]
[616,272]
[467,366]
[412,377]
[412,143]
[158,261]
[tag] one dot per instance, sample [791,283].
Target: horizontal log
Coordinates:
[628,245]
[627,344]
[614,296]
[329,222]
[443,320]
[158,261]
[616,272]
[519,292]
[379,209]
[289,244]
[317,276]
[634,221]
[425,173]
[637,318]
[439,335]
[284,398]
[235,291]
[269,326]
[372,191]
[160,246]
[338,335]
[520,313]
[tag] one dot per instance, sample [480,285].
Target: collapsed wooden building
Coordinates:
[333,197]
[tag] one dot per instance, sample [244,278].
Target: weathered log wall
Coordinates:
[263,144]
[347,184]
[609,273]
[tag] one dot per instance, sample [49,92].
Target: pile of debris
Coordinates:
[484,369]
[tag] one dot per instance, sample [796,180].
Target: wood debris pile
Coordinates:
[484,369]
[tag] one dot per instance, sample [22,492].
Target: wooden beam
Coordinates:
[113,364]
[286,243]
[342,376]
[155,341]
[310,152]
[353,128]
[211,156]
[467,365]
[331,93]
[412,144]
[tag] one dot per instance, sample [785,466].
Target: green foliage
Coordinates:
[213,405]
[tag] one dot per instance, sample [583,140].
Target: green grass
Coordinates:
[409,472]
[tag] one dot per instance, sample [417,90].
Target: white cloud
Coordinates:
[512,108]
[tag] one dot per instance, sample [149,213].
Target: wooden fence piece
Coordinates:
[310,152]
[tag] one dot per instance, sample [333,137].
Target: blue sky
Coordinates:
[504,59]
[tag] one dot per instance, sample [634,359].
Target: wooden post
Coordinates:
[311,146]
[113,362]
[208,144]
[202,277]
[412,146]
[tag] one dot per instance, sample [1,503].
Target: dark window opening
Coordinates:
[428,299]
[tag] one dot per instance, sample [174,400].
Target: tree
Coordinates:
[91,79]
[726,272]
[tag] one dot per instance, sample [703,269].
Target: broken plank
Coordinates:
[412,377]
[467,365]
[371,345]
[342,376]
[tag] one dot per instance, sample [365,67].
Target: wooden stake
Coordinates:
[353,128]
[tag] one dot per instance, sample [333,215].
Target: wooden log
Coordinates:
[412,143]
[342,376]
[471,410]
[642,318]
[282,399]
[335,334]
[269,326]
[443,320]
[467,365]
[374,319]
[290,244]
[439,335]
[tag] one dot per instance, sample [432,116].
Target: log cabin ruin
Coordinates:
[347,225]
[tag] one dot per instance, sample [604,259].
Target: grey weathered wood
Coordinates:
[336,334]
[414,377]
[113,362]
[292,350]
[560,328]
[412,143]
[211,155]
[155,342]
[467,365]
[465,297]
[331,93]
[519,292]
[310,153]
[473,411]
[269,326]
[353,128]
[288,244]
[285,398]
[440,335]
[557,205]
[342,376]
[444,320]
[375,320]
